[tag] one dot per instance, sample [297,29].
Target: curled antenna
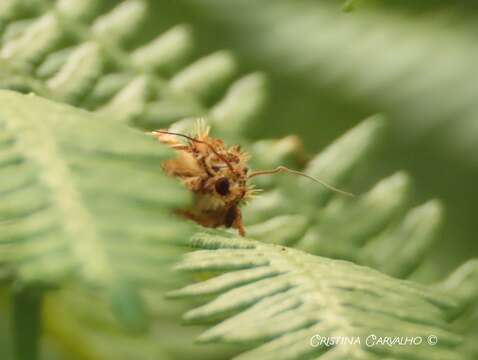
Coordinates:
[280,169]
[200,142]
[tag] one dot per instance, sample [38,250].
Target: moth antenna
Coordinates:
[280,169]
[190,138]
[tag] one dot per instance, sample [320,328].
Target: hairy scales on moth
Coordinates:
[218,176]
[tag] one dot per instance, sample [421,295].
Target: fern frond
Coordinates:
[68,208]
[276,299]
[74,52]
[364,229]
[82,327]
[463,284]
[85,329]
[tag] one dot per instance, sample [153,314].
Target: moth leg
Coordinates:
[233,219]
[238,223]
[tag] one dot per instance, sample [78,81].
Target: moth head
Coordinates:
[234,185]
[231,190]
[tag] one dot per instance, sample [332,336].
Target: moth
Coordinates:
[218,176]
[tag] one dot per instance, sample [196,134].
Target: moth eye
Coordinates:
[222,186]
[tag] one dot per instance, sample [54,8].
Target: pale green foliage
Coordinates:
[83,326]
[69,52]
[281,297]
[375,229]
[87,330]
[463,285]
[67,206]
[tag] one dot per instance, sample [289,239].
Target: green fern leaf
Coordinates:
[277,299]
[464,285]
[374,229]
[85,328]
[72,51]
[67,207]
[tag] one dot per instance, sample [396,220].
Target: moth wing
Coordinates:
[170,140]
[185,165]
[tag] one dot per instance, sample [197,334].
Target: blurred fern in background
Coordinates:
[87,240]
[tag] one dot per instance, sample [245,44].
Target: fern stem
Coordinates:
[26,322]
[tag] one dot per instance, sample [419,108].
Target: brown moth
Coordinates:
[218,176]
